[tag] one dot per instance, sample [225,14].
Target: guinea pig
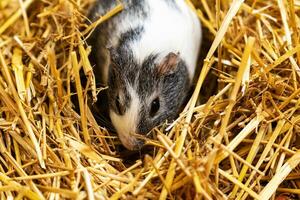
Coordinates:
[146,55]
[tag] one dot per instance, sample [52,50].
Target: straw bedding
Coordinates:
[241,144]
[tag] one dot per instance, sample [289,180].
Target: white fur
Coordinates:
[170,30]
[126,124]
[166,30]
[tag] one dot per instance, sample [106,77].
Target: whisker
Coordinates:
[104,121]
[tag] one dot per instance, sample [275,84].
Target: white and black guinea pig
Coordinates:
[147,56]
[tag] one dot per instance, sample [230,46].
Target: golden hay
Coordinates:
[242,144]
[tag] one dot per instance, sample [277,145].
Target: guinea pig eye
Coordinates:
[154,107]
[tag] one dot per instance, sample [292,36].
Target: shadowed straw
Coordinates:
[242,143]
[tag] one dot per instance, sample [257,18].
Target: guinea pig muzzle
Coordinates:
[130,142]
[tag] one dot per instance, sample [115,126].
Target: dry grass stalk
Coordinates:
[243,143]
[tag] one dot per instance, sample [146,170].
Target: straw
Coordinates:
[241,143]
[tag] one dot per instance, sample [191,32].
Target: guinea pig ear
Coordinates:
[168,64]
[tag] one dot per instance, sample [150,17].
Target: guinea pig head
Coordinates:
[143,95]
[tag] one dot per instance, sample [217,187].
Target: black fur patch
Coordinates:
[129,36]
[124,68]
[171,90]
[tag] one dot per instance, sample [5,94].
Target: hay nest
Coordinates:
[242,143]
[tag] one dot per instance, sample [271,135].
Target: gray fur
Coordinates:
[171,88]
[124,69]
[101,36]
